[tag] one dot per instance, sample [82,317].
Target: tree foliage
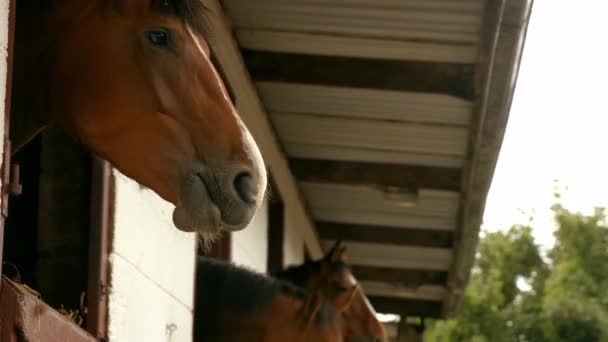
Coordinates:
[517,294]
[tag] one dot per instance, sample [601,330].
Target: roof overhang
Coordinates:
[381,123]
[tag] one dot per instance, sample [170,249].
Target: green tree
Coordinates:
[575,305]
[486,314]
[566,297]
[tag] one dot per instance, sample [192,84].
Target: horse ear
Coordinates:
[333,249]
[337,252]
[341,255]
[342,302]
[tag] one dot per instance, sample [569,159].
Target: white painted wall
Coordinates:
[152,265]
[294,241]
[250,246]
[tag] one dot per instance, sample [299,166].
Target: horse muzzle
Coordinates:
[217,199]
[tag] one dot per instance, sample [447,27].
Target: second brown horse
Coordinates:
[332,276]
[234,304]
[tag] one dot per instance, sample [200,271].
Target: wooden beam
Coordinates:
[410,307]
[429,77]
[101,216]
[408,277]
[220,249]
[385,235]
[504,31]
[360,173]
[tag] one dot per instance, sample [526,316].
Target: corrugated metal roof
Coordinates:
[328,122]
[441,21]
[428,292]
[316,151]
[405,257]
[322,44]
[424,30]
[432,209]
[371,134]
[352,122]
[344,102]
[386,219]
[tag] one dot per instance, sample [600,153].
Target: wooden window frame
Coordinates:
[276,229]
[100,247]
[220,249]
[6,153]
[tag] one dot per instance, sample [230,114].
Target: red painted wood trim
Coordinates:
[5,159]
[24,317]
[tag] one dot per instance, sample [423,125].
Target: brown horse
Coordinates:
[332,275]
[237,305]
[133,81]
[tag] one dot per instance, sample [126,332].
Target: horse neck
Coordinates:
[267,324]
[326,324]
[282,319]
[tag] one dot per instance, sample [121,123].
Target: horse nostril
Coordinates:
[246,187]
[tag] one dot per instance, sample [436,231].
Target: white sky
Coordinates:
[558,125]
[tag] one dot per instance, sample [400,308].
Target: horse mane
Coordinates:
[298,275]
[195,13]
[238,289]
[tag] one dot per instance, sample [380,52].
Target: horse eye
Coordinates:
[159,37]
[340,289]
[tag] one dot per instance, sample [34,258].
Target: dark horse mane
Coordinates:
[222,286]
[238,289]
[194,12]
[298,275]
